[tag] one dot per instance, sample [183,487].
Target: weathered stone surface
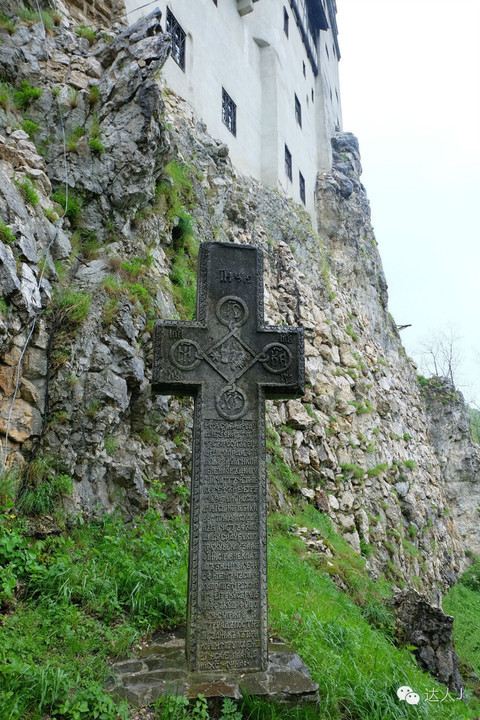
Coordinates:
[19,419]
[427,628]
[230,361]
[285,679]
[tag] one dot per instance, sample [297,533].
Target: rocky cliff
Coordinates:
[107,185]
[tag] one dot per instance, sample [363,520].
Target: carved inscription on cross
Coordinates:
[230,362]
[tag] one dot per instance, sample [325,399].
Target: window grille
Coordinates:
[178,36]
[298,111]
[301,182]
[229,112]
[288,163]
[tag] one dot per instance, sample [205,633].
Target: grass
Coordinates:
[6,233]
[72,205]
[31,17]
[463,602]
[78,599]
[94,95]
[6,24]
[71,306]
[30,127]
[357,666]
[29,192]
[25,95]
[96,146]
[86,32]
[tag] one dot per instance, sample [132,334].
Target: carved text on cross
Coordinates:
[230,362]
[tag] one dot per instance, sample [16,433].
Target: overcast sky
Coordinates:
[410,84]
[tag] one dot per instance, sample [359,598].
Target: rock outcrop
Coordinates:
[430,631]
[85,271]
[459,457]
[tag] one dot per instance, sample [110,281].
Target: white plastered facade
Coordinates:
[262,70]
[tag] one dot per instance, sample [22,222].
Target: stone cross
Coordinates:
[229,361]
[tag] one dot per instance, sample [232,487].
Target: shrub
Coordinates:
[25,95]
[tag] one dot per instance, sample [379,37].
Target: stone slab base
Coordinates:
[160,669]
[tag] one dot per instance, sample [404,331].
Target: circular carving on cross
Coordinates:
[185,354]
[231,402]
[232,311]
[276,357]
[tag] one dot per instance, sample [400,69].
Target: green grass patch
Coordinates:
[79,599]
[71,306]
[463,602]
[29,192]
[25,95]
[7,24]
[357,666]
[87,32]
[30,127]
[71,204]
[47,17]
[94,95]
[6,233]
[279,474]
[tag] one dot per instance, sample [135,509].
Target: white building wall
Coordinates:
[262,70]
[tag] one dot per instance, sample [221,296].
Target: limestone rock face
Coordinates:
[359,444]
[459,457]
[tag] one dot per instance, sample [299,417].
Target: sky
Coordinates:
[410,88]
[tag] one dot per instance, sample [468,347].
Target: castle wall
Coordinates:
[262,70]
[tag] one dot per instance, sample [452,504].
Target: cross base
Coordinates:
[161,669]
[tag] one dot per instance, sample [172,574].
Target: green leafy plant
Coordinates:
[25,95]
[73,138]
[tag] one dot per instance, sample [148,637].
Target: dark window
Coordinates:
[288,163]
[298,111]
[301,182]
[229,112]
[285,22]
[304,70]
[178,39]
